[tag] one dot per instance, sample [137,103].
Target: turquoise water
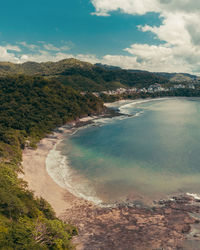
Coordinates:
[153,153]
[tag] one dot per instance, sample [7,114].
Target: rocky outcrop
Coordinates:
[164,226]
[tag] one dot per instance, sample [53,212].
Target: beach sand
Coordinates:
[37,177]
[122,227]
[39,181]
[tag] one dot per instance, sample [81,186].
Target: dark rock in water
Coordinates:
[196,235]
[186,229]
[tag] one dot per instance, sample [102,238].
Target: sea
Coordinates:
[150,152]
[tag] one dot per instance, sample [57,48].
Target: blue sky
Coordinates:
[72,22]
[139,34]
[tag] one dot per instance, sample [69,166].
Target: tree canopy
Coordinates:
[31,107]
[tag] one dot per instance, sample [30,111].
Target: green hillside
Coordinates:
[31,107]
[35,98]
[34,68]
[83,76]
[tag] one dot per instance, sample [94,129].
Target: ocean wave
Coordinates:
[75,130]
[138,114]
[117,103]
[126,109]
[102,121]
[58,167]
[123,106]
[195,196]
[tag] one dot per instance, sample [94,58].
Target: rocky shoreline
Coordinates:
[167,225]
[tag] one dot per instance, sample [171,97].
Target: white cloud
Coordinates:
[29,46]
[12,47]
[141,7]
[174,55]
[5,55]
[51,47]
[100,14]
[88,58]
[44,56]
[179,49]
[64,48]
[126,6]
[178,32]
[37,53]
[40,53]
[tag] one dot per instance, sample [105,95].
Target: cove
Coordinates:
[152,153]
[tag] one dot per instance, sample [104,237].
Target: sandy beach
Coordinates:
[37,177]
[124,227]
[39,181]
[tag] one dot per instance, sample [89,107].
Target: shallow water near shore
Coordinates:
[152,153]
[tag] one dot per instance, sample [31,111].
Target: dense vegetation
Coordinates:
[84,76]
[98,79]
[30,107]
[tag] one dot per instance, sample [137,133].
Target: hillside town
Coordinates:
[151,89]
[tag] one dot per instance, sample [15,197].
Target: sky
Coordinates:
[153,35]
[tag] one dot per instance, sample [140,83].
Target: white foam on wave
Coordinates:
[125,109]
[75,130]
[58,167]
[195,196]
[139,113]
[102,121]
[117,103]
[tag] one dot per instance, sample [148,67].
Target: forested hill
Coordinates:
[35,98]
[178,77]
[31,107]
[84,76]
[172,77]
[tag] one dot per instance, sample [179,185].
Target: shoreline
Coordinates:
[36,174]
[121,227]
[39,181]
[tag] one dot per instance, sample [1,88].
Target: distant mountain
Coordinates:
[47,68]
[108,67]
[172,77]
[178,77]
[84,76]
